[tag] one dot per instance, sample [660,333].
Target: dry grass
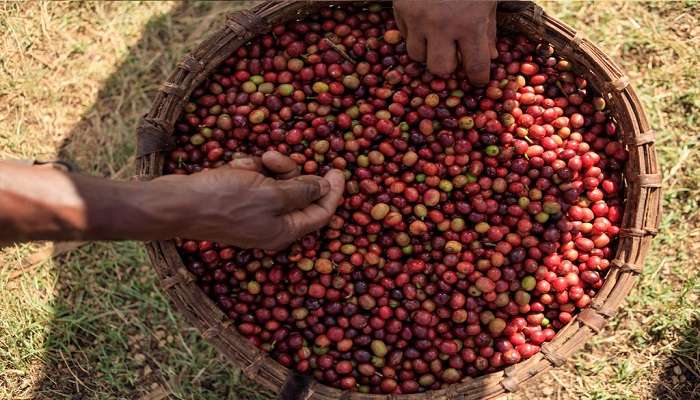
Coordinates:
[91,324]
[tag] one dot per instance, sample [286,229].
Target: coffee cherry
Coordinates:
[475,222]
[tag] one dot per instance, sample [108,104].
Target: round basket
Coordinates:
[640,222]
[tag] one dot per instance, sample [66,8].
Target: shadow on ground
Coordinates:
[680,378]
[114,336]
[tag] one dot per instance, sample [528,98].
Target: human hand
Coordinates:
[237,204]
[437,31]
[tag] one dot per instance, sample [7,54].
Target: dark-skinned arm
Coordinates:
[238,204]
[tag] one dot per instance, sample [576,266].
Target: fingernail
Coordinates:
[325,186]
[242,163]
[337,172]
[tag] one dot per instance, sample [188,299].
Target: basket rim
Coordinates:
[640,219]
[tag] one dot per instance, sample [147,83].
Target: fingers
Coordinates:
[316,215]
[492,34]
[410,29]
[330,200]
[299,192]
[478,46]
[415,46]
[442,54]
[248,163]
[476,57]
[280,165]
[400,23]
[415,38]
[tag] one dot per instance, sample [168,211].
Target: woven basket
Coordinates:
[640,221]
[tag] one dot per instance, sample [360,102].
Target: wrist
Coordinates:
[164,208]
[129,210]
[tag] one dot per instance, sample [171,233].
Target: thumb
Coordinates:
[299,192]
[316,215]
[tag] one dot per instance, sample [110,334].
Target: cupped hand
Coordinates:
[241,204]
[442,32]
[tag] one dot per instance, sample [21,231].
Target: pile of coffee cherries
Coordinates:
[475,221]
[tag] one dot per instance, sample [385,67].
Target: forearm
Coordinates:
[46,204]
[236,204]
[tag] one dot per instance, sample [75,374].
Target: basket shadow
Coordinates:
[113,333]
[680,377]
[103,142]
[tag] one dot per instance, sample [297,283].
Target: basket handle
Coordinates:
[295,387]
[513,6]
[153,137]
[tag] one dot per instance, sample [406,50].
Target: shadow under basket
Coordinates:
[642,185]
